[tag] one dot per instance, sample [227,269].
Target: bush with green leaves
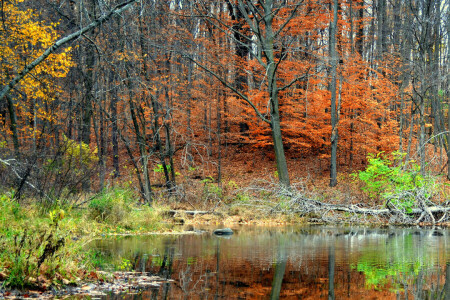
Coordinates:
[111,205]
[28,250]
[397,182]
[211,191]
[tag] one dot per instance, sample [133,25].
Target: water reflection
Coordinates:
[280,267]
[286,263]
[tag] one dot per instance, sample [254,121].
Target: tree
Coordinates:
[268,21]
[23,37]
[334,111]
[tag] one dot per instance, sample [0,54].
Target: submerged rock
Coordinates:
[223,231]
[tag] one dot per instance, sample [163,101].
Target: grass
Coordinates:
[42,248]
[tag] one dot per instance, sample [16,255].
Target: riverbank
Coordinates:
[42,247]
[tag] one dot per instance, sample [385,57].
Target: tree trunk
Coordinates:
[13,124]
[359,43]
[280,157]
[114,127]
[146,189]
[381,29]
[334,113]
[448,97]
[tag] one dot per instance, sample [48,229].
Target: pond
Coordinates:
[314,262]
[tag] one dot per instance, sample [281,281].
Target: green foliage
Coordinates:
[160,169]
[75,156]
[232,185]
[125,265]
[67,173]
[28,252]
[242,198]
[392,262]
[95,258]
[399,182]
[9,206]
[35,248]
[211,191]
[142,219]
[111,205]
[80,150]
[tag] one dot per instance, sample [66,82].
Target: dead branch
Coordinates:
[294,201]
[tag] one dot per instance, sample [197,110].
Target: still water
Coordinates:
[290,263]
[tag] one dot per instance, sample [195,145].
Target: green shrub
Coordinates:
[400,183]
[144,218]
[29,252]
[111,206]
[211,191]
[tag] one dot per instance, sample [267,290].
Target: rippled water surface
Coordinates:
[290,263]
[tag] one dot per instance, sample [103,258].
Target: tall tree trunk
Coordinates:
[403,34]
[280,157]
[381,29]
[359,43]
[448,97]
[114,127]
[146,189]
[13,124]
[100,139]
[139,128]
[189,156]
[334,114]
[86,105]
[101,151]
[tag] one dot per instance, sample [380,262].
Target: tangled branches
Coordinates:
[272,198]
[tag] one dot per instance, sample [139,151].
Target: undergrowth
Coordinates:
[40,248]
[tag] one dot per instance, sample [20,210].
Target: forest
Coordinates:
[164,96]
[323,110]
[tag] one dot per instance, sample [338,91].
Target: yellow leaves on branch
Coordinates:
[23,38]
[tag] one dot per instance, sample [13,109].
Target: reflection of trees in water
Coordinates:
[166,269]
[432,289]
[331,265]
[446,289]
[403,263]
[301,263]
[280,268]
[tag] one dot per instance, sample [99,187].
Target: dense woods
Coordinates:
[132,116]
[157,94]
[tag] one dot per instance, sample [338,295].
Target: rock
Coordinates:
[223,231]
[178,220]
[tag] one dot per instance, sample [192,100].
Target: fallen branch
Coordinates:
[173,212]
[394,209]
[9,163]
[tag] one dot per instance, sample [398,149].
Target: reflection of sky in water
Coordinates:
[362,261]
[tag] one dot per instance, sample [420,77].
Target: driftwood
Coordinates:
[294,201]
[374,211]
[413,216]
[173,212]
